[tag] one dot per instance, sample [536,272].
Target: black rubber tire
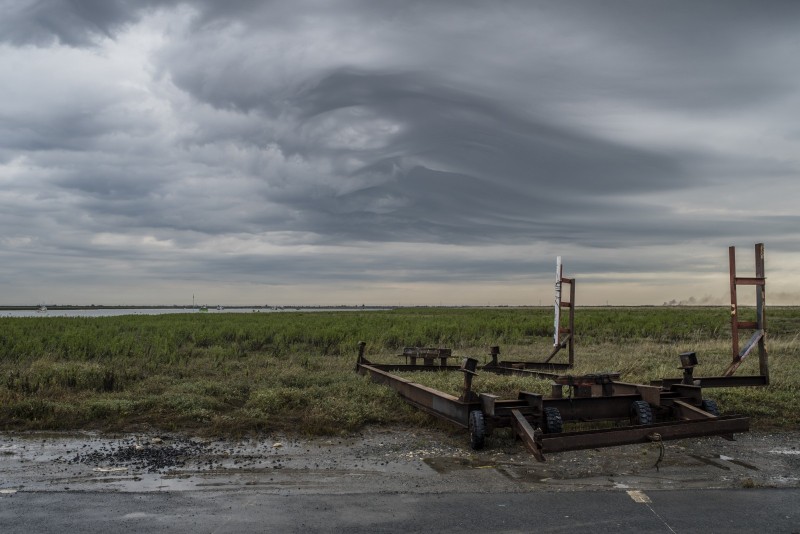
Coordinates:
[710,406]
[641,414]
[477,430]
[552,421]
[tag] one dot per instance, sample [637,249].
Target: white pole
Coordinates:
[557,303]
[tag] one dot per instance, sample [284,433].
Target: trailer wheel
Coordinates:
[477,430]
[710,406]
[552,421]
[641,414]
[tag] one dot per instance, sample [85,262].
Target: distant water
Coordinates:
[113,312]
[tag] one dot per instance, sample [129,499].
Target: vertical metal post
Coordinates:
[761,315]
[734,310]
[557,304]
[558,341]
[572,322]
[361,346]
[494,352]
[468,366]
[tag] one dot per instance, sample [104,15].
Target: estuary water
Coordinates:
[112,312]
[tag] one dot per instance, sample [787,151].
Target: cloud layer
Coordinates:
[309,151]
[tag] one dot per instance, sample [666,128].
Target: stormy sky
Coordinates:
[383,152]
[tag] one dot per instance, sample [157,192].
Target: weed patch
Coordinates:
[237,373]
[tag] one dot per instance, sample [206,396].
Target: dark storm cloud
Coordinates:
[509,174]
[191,132]
[70,22]
[697,56]
[514,171]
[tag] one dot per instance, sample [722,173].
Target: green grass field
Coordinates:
[242,373]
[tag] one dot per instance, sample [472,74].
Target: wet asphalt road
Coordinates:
[678,511]
[393,480]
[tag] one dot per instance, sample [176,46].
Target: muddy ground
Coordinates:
[383,461]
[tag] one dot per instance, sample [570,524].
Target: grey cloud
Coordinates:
[68,129]
[70,22]
[511,172]
[391,123]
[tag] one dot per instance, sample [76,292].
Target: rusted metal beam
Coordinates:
[558,303]
[761,313]
[532,366]
[515,371]
[430,400]
[754,339]
[468,366]
[569,441]
[571,319]
[749,281]
[557,348]
[525,431]
[694,393]
[407,367]
[649,394]
[752,342]
[717,381]
[593,408]
[684,410]
[734,304]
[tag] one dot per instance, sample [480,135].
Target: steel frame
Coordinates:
[542,369]
[679,408]
[664,410]
[546,368]
[759,325]
[758,338]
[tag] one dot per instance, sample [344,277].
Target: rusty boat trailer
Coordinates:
[667,409]
[653,413]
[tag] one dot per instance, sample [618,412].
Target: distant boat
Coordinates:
[41,309]
[203,309]
[220,308]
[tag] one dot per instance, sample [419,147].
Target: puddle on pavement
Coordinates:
[448,464]
[389,460]
[88,461]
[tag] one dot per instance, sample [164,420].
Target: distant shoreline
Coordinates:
[56,307]
[186,307]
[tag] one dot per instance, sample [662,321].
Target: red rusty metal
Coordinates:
[570,441]
[757,339]
[608,400]
[668,409]
[759,325]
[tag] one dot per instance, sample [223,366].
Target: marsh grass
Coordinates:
[235,373]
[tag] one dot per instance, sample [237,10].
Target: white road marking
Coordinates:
[638,496]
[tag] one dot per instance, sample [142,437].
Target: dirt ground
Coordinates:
[382,460]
